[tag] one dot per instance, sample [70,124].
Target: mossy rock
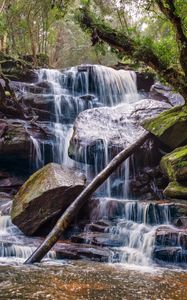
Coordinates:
[176,190]
[174,164]
[170,127]
[45,195]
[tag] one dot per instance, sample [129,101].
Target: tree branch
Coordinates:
[131,48]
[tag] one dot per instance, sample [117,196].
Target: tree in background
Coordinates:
[26,25]
[153,32]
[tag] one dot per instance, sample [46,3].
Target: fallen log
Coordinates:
[74,208]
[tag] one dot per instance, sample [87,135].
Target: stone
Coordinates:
[82,251]
[45,195]
[165,93]
[111,209]
[176,190]
[98,239]
[61,250]
[16,142]
[170,254]
[181,222]
[110,128]
[174,164]
[171,236]
[170,127]
[5,203]
[10,184]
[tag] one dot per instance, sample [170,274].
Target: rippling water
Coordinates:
[86,280]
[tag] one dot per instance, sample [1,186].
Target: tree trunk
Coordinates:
[74,208]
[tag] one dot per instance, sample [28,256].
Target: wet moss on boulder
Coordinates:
[174,164]
[176,190]
[170,127]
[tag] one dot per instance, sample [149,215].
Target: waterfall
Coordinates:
[79,88]
[12,241]
[133,222]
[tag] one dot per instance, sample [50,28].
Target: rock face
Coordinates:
[174,166]
[114,128]
[170,127]
[47,193]
[16,137]
[171,244]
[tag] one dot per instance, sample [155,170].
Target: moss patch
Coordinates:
[170,127]
[174,164]
[176,190]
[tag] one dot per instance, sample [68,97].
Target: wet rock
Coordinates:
[5,203]
[23,246]
[10,184]
[176,190]
[87,97]
[171,236]
[152,212]
[15,142]
[170,254]
[170,127]
[47,193]
[181,222]
[45,102]
[98,239]
[174,164]
[82,251]
[98,227]
[110,128]
[181,207]
[163,93]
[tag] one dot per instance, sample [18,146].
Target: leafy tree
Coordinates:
[155,33]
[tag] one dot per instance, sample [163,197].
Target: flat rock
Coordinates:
[47,193]
[98,238]
[110,128]
[171,236]
[23,247]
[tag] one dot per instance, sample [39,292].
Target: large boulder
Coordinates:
[170,127]
[110,127]
[45,195]
[174,164]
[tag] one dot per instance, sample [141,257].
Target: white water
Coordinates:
[12,241]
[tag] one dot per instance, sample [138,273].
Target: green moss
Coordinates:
[174,164]
[28,191]
[170,126]
[176,190]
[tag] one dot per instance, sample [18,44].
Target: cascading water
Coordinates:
[72,91]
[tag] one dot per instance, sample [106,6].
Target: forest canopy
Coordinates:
[152,32]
